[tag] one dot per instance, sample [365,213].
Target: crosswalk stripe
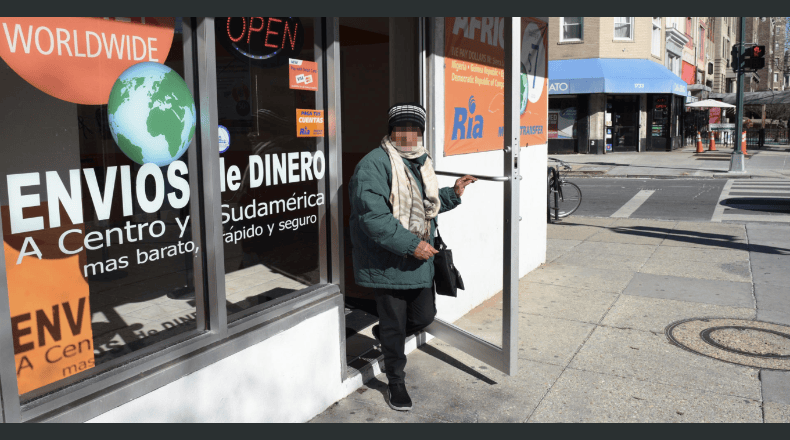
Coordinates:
[743,196]
[761,182]
[764,185]
[718,212]
[756,207]
[632,205]
[762,191]
[756,218]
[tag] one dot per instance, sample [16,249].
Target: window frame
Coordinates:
[631,25]
[95,391]
[563,25]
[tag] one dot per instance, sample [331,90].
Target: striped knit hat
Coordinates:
[402,113]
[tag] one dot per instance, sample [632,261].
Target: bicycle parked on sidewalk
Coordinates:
[564,197]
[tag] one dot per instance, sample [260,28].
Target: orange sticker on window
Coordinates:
[78,59]
[309,123]
[49,300]
[303,75]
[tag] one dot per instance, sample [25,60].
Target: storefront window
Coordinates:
[96,193]
[563,117]
[267,82]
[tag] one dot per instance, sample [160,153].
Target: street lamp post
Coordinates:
[737,163]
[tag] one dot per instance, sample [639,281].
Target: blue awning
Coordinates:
[599,75]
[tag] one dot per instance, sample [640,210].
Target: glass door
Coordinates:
[373,74]
[625,122]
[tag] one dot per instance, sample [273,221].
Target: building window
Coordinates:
[92,280]
[624,28]
[571,28]
[673,63]
[563,117]
[263,265]
[776,78]
[656,43]
[689,34]
[701,42]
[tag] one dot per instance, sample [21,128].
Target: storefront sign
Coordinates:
[50,314]
[554,117]
[78,59]
[45,233]
[474,84]
[309,123]
[303,75]
[264,41]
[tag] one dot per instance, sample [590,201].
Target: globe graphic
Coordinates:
[151,114]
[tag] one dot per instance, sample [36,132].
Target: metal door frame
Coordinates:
[502,358]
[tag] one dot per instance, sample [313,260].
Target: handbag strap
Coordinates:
[438,242]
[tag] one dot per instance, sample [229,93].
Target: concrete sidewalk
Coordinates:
[770,162]
[592,342]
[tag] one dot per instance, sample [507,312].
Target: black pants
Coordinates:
[401,313]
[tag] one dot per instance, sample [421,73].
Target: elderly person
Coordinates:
[395,198]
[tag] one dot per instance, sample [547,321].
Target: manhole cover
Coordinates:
[738,341]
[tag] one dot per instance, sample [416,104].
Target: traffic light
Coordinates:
[754,57]
[735,63]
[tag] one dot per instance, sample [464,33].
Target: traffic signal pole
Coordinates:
[737,163]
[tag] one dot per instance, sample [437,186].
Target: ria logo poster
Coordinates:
[474,84]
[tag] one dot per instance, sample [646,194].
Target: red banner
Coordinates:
[715,115]
[688,73]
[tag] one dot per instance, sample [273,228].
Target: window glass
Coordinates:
[99,126]
[571,28]
[656,41]
[267,81]
[623,27]
[563,116]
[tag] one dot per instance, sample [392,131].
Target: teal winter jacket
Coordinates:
[382,249]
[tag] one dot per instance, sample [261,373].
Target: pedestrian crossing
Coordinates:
[754,200]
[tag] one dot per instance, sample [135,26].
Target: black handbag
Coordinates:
[447,280]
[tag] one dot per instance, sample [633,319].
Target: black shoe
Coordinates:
[375,331]
[397,397]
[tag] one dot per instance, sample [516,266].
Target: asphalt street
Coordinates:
[717,200]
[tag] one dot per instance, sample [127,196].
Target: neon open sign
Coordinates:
[267,41]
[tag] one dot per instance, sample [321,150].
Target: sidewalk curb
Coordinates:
[598,174]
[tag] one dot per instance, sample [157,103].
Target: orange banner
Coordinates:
[309,123]
[78,59]
[474,84]
[50,305]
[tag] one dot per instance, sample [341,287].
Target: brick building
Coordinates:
[614,84]
[768,32]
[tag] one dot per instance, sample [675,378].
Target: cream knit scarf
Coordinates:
[408,205]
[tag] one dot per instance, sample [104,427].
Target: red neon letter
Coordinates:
[268,26]
[291,39]
[243,30]
[252,29]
